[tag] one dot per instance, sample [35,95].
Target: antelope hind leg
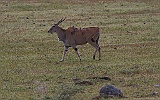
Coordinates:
[96,46]
[97,49]
[94,55]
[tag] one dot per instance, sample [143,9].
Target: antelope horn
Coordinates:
[61,21]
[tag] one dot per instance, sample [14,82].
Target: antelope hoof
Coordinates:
[94,57]
[61,60]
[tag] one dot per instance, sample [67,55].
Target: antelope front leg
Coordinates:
[64,53]
[76,50]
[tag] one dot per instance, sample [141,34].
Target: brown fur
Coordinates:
[72,37]
[82,36]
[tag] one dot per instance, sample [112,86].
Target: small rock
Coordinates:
[102,78]
[83,83]
[105,78]
[154,93]
[76,80]
[97,98]
[129,32]
[156,85]
[110,91]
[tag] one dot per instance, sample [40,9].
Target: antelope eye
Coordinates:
[53,27]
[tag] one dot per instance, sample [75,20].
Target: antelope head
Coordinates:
[55,27]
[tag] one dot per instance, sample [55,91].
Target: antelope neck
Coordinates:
[61,34]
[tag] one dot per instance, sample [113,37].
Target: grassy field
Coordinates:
[29,56]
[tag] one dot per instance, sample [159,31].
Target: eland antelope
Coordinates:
[72,37]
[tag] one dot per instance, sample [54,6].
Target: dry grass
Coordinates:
[29,56]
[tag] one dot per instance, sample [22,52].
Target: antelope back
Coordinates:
[81,36]
[89,33]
